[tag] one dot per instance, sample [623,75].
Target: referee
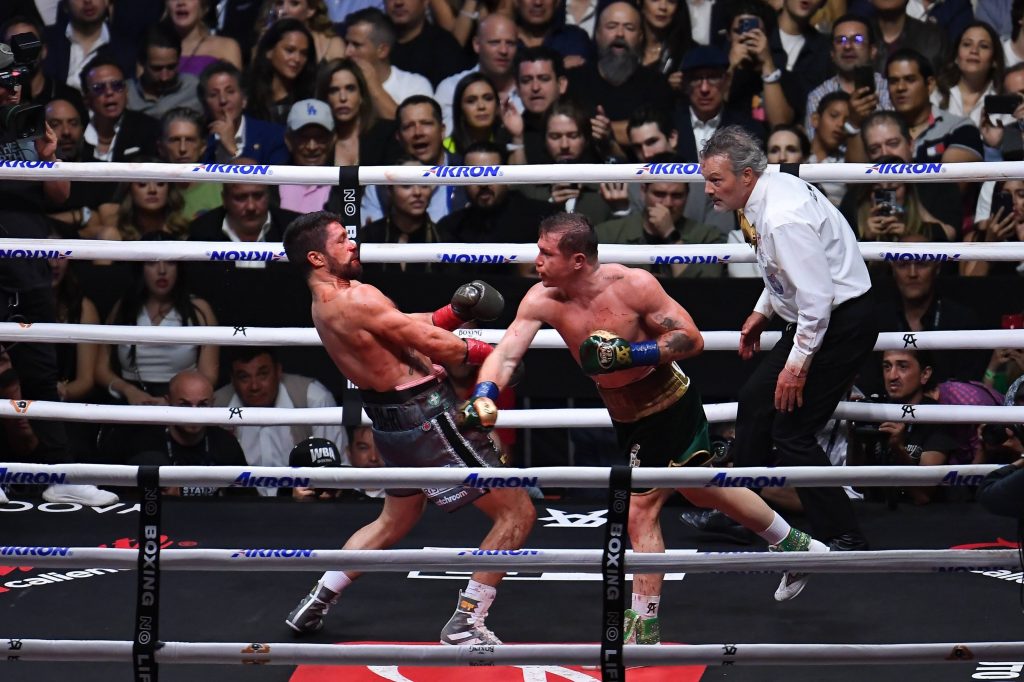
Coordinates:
[815,280]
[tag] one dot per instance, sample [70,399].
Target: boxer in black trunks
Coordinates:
[390,356]
[655,409]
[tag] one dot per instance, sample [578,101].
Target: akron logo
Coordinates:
[21,406]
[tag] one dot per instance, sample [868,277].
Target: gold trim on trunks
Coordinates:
[651,394]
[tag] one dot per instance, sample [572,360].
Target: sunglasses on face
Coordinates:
[843,41]
[107,86]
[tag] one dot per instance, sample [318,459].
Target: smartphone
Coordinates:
[1002,200]
[1002,104]
[748,24]
[1013,321]
[864,77]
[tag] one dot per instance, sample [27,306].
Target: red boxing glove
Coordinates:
[477,351]
[445,318]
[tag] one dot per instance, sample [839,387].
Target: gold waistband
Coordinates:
[656,391]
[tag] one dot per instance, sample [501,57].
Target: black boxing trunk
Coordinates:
[415,427]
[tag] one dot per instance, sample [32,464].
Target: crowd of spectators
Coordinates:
[464,82]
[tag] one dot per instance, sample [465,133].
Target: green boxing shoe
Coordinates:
[640,630]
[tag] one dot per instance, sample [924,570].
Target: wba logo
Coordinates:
[21,406]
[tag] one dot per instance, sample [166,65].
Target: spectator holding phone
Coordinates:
[973,72]
[1005,224]
[756,80]
[1001,120]
[889,211]
[853,54]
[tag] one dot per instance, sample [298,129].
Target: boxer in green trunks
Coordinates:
[625,331]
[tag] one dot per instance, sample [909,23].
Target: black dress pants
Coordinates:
[36,366]
[849,339]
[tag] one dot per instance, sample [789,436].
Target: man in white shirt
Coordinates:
[369,38]
[257,380]
[817,282]
[495,47]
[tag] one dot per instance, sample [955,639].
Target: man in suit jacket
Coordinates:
[244,291]
[698,114]
[232,134]
[115,133]
[87,31]
[703,109]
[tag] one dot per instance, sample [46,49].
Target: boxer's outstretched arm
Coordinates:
[672,327]
[502,362]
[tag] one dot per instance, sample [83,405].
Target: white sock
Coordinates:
[335,581]
[483,594]
[646,605]
[776,531]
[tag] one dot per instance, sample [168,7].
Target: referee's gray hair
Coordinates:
[739,146]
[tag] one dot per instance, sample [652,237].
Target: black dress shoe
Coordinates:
[848,542]
[714,522]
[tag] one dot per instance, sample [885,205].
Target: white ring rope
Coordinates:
[461,253]
[564,476]
[531,560]
[979,171]
[286,653]
[546,338]
[548,418]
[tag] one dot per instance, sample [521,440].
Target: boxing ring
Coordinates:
[149,560]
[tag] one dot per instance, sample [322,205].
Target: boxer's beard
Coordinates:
[350,270]
[617,67]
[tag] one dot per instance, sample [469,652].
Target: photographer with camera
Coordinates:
[26,294]
[908,380]
[1002,491]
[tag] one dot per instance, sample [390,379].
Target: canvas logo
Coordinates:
[561,519]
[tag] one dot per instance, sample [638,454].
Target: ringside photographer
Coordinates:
[907,375]
[1002,491]
[26,294]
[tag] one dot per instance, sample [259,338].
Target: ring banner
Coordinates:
[348,184]
[147,606]
[614,575]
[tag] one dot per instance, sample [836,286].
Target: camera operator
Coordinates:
[1002,491]
[907,375]
[26,294]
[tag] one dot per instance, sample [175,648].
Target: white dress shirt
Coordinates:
[79,56]
[230,233]
[808,257]
[700,20]
[269,446]
[703,130]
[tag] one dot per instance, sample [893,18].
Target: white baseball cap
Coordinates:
[310,111]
